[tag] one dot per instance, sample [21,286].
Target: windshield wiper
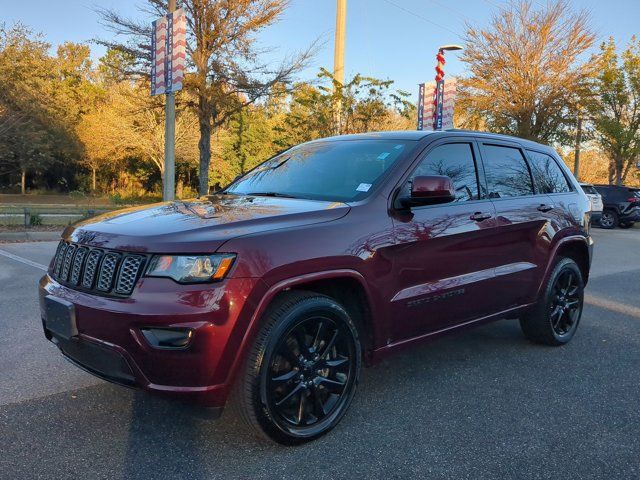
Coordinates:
[271,194]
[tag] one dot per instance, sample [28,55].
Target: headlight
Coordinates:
[191,268]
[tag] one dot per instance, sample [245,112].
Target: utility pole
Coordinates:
[338,56]
[169,187]
[576,156]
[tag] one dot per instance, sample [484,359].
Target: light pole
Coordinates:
[438,94]
[338,56]
[169,188]
[576,153]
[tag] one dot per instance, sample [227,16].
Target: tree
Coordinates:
[34,124]
[367,104]
[616,109]
[130,123]
[526,76]
[225,73]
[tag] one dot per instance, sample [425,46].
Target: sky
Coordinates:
[387,39]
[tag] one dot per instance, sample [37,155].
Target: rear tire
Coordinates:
[301,372]
[555,318]
[609,219]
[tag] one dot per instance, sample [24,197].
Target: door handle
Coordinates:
[545,208]
[480,216]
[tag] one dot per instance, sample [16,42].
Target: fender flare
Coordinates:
[554,255]
[268,297]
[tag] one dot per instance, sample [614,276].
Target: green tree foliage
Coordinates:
[41,101]
[615,110]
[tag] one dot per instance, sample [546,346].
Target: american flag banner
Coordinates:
[168,48]
[448,93]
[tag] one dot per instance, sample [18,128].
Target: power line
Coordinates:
[421,17]
[453,10]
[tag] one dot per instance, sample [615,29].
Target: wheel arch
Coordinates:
[575,247]
[347,286]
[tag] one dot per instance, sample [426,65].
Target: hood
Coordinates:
[199,226]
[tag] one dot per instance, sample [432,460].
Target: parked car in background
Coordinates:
[334,253]
[596,201]
[621,206]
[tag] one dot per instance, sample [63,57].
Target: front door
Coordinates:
[444,255]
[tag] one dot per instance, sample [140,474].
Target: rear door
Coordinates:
[522,216]
[444,255]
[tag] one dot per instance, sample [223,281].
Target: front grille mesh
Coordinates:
[98,270]
[128,273]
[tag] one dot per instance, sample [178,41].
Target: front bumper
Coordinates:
[110,344]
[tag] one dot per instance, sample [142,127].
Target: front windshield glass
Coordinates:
[341,170]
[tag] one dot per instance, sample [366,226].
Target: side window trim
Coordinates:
[501,143]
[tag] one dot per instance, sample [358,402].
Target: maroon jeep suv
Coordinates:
[337,252]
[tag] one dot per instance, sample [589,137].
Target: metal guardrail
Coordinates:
[35,215]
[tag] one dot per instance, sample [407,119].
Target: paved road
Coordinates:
[485,404]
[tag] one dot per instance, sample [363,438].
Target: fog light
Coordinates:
[167,337]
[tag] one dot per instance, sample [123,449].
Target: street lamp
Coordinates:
[438,99]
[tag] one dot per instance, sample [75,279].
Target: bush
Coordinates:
[76,194]
[35,220]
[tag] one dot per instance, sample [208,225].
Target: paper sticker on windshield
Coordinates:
[383,155]
[363,187]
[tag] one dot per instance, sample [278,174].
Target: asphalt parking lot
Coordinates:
[484,404]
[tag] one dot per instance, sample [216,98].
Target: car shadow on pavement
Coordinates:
[483,404]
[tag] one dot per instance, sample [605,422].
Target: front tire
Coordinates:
[555,318]
[302,371]
[609,219]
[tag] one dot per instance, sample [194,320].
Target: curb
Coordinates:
[30,236]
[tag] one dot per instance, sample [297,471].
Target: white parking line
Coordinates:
[26,261]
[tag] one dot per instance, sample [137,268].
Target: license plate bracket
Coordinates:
[60,317]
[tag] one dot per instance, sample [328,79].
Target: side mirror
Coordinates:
[430,190]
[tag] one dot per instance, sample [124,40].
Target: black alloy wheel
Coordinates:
[302,371]
[308,373]
[555,317]
[566,303]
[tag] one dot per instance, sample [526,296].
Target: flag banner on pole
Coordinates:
[178,49]
[421,106]
[168,49]
[431,102]
[158,56]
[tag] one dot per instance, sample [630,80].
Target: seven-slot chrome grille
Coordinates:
[105,272]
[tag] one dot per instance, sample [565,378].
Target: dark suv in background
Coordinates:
[334,253]
[621,206]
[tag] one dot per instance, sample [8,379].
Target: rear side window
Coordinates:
[589,189]
[547,175]
[506,171]
[455,160]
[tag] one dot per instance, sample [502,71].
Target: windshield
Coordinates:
[341,170]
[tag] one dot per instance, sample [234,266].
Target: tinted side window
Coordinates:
[547,175]
[507,172]
[455,160]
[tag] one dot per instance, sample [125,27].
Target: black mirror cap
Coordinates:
[408,202]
